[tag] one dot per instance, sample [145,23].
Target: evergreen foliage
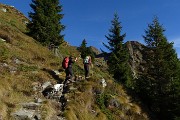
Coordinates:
[114,37]
[156,86]
[85,51]
[118,59]
[45,25]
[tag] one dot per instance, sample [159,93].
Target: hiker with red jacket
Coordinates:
[87,63]
[67,65]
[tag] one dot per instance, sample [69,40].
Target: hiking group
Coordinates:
[67,64]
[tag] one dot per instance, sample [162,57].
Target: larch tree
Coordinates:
[45,25]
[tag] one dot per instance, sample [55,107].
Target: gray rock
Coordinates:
[136,52]
[58,87]
[24,114]
[57,72]
[17,61]
[114,102]
[12,69]
[38,100]
[31,105]
[46,85]
[103,82]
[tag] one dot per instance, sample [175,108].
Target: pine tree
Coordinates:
[118,59]
[45,25]
[162,62]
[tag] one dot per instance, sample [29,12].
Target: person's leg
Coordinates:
[70,73]
[66,71]
[67,76]
[87,75]
[86,68]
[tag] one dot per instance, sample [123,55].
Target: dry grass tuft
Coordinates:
[47,111]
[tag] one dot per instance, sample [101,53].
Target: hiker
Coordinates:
[87,63]
[68,70]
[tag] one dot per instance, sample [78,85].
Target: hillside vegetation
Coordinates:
[24,62]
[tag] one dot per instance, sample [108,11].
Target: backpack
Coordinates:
[87,59]
[65,62]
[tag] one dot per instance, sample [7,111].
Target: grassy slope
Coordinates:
[33,58]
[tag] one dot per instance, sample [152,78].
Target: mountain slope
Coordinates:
[24,63]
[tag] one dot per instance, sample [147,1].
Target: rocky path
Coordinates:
[55,93]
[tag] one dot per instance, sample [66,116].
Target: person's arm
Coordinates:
[75,59]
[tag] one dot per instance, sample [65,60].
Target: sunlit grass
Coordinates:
[35,62]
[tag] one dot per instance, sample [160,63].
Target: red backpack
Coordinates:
[65,62]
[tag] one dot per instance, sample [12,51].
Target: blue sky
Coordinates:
[91,19]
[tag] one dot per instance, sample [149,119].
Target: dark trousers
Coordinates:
[69,73]
[86,68]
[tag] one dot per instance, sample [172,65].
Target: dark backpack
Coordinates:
[65,62]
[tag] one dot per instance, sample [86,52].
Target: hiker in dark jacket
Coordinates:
[69,71]
[87,63]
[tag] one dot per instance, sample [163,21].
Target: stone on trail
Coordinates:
[24,114]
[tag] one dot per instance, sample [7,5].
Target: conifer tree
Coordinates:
[45,25]
[162,62]
[83,49]
[118,59]
[86,50]
[114,37]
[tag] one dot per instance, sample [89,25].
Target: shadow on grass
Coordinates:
[53,74]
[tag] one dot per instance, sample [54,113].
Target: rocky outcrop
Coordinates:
[95,50]
[31,110]
[28,111]
[136,61]
[136,53]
